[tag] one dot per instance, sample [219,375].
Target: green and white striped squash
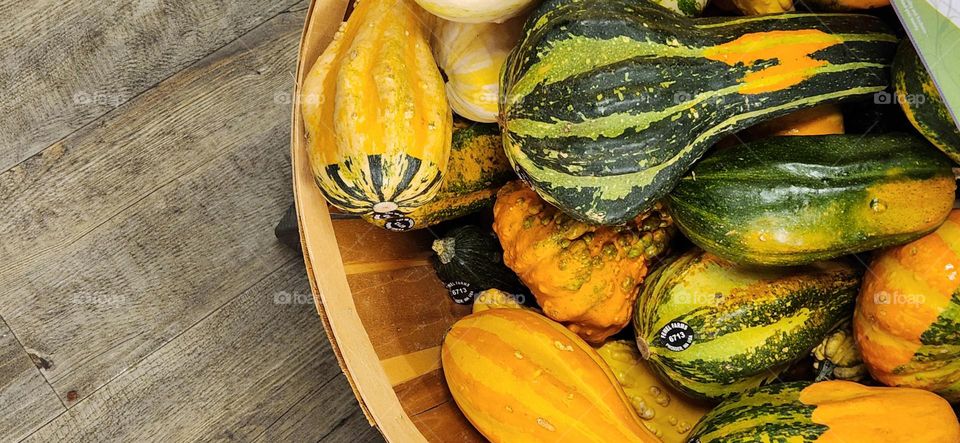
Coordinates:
[712,329]
[605,104]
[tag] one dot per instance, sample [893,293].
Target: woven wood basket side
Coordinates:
[382,306]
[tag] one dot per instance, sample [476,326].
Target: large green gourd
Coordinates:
[712,329]
[605,104]
[796,200]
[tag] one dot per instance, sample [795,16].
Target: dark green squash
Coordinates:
[796,200]
[469,260]
[605,104]
[712,329]
[921,102]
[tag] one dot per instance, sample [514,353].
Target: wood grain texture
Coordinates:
[254,370]
[136,227]
[423,393]
[445,423]
[26,400]
[67,63]
[412,301]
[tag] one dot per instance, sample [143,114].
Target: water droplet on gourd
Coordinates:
[545,424]
[878,205]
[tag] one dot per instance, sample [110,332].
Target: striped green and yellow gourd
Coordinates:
[921,101]
[605,104]
[829,412]
[476,170]
[713,329]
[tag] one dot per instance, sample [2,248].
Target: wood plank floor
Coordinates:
[144,160]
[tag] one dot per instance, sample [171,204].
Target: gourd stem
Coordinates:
[444,248]
[644,348]
[826,368]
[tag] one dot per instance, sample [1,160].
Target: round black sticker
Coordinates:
[676,336]
[400,224]
[460,292]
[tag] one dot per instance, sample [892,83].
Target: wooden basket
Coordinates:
[382,306]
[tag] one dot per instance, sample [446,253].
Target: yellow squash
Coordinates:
[664,411]
[378,126]
[521,377]
[471,55]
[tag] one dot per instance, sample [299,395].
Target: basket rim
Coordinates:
[331,293]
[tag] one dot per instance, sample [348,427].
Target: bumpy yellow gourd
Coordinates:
[378,127]
[521,377]
[471,55]
[837,356]
[664,411]
[477,11]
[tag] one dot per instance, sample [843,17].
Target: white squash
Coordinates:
[471,55]
[477,11]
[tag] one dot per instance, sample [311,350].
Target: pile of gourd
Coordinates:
[628,123]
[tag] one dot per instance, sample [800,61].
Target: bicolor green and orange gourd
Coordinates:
[377,123]
[796,200]
[520,377]
[605,104]
[907,321]
[829,412]
[713,329]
